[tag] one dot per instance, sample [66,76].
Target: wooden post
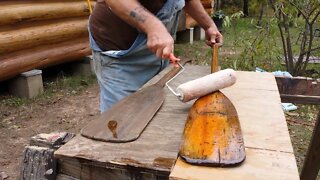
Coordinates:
[311,164]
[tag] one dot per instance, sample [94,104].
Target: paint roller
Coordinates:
[204,85]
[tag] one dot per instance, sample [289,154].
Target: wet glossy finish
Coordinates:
[112,125]
[212,134]
[126,120]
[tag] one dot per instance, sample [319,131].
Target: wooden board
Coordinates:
[212,134]
[265,133]
[154,152]
[301,90]
[259,164]
[126,120]
[299,86]
[256,98]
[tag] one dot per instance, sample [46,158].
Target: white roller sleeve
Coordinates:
[207,84]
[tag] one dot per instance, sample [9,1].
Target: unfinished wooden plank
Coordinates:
[259,164]
[299,86]
[65,177]
[79,169]
[300,99]
[261,117]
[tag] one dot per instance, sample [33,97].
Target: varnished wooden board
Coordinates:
[126,120]
[212,134]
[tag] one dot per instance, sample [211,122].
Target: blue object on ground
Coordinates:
[288,107]
[282,73]
[276,73]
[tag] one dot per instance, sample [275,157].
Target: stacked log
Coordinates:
[38,34]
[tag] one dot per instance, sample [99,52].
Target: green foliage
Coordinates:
[229,19]
[287,14]
[72,84]
[257,45]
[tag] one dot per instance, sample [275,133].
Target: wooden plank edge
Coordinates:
[300,99]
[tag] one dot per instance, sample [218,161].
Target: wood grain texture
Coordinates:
[43,56]
[38,163]
[19,37]
[212,135]
[300,99]
[28,11]
[126,120]
[265,133]
[298,86]
[259,164]
[160,140]
[256,99]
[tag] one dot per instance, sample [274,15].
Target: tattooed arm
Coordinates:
[197,12]
[160,41]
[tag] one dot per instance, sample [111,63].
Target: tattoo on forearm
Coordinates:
[139,14]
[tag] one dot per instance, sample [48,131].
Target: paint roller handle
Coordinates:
[174,60]
[175,70]
[214,62]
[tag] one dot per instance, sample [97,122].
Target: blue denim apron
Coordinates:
[123,72]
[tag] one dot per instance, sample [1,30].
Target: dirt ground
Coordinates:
[62,112]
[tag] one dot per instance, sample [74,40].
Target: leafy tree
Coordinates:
[285,12]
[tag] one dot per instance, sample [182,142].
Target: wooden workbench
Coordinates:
[256,98]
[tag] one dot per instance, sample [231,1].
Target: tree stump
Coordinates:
[38,161]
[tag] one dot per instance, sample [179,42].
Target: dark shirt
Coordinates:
[112,33]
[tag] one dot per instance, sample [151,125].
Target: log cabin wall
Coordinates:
[41,33]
